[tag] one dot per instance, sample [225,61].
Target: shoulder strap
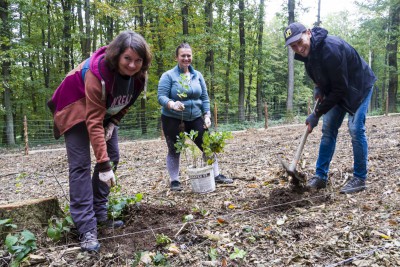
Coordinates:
[85,68]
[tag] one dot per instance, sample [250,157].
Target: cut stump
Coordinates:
[32,214]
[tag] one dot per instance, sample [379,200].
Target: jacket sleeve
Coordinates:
[336,71]
[164,89]
[204,94]
[95,113]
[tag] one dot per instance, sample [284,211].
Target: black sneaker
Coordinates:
[353,186]
[109,223]
[176,186]
[317,182]
[221,179]
[89,242]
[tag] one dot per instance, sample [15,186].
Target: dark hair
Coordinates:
[182,45]
[124,40]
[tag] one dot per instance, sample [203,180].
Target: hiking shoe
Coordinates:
[317,182]
[176,186]
[89,242]
[221,179]
[109,223]
[353,186]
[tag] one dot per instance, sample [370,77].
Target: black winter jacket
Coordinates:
[339,72]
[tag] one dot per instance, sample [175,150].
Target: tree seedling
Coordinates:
[213,254]
[237,254]
[59,227]
[162,239]
[6,224]
[117,202]
[187,218]
[20,245]
[213,143]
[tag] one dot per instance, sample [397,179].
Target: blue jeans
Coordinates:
[332,121]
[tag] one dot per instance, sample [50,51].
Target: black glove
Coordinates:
[318,94]
[312,121]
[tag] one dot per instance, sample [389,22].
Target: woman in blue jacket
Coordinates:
[182,93]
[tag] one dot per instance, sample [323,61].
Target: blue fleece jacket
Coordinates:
[195,96]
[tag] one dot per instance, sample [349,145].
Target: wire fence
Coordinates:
[140,125]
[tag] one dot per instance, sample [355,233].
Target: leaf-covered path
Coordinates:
[258,219]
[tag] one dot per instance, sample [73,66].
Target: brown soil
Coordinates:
[260,213]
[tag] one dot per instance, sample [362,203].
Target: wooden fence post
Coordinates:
[215,116]
[266,115]
[26,136]
[387,105]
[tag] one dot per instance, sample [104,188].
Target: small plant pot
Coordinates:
[202,179]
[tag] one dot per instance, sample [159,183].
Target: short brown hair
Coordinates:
[124,40]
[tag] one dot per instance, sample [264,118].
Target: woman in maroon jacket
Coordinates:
[87,107]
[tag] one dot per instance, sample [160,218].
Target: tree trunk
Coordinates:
[31,214]
[142,113]
[84,29]
[242,56]
[185,19]
[67,10]
[260,57]
[5,70]
[392,48]
[229,59]
[209,61]
[318,23]
[289,101]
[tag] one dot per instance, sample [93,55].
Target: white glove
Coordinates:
[178,106]
[107,177]
[108,131]
[207,121]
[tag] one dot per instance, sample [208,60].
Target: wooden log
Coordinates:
[32,214]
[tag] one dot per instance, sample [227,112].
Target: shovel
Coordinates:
[297,177]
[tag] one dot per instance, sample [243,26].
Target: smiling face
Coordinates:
[129,63]
[184,58]
[302,46]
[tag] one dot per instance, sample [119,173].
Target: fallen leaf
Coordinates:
[224,263]
[221,220]
[381,235]
[173,249]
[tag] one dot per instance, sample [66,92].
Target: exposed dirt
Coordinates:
[260,213]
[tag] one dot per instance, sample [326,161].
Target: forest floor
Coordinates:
[257,221]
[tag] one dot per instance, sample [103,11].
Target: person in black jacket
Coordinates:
[343,84]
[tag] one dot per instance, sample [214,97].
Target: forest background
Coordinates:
[239,50]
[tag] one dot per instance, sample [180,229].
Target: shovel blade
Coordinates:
[297,177]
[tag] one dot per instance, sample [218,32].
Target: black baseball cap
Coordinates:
[293,32]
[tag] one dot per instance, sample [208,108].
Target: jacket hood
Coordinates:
[318,36]
[99,67]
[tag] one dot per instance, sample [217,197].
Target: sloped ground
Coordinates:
[258,214]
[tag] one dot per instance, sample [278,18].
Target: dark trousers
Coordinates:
[171,131]
[88,195]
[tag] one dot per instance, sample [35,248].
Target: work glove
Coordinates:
[107,177]
[312,121]
[318,94]
[207,120]
[178,105]
[108,131]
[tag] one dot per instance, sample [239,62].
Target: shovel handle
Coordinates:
[299,150]
[303,140]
